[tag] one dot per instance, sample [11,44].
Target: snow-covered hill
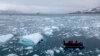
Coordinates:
[89,11]
[10,12]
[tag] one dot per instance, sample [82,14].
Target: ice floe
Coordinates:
[97,50]
[35,55]
[57,50]
[98,54]
[31,39]
[49,30]
[12,54]
[61,49]
[80,53]
[4,38]
[29,48]
[50,52]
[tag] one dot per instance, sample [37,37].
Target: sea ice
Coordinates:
[31,40]
[12,54]
[97,50]
[57,50]
[35,55]
[4,38]
[80,53]
[98,54]
[29,48]
[49,30]
[50,52]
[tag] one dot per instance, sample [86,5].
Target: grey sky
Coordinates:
[48,6]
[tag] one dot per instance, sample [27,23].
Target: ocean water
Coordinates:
[84,28]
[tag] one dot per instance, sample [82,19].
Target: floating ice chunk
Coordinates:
[85,28]
[2,24]
[97,50]
[50,30]
[29,48]
[61,49]
[50,52]
[12,54]
[47,18]
[98,54]
[97,24]
[80,53]
[4,38]
[55,27]
[32,39]
[77,34]
[57,50]
[35,55]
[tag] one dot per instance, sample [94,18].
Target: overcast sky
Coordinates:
[48,6]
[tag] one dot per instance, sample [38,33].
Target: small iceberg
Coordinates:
[5,38]
[31,40]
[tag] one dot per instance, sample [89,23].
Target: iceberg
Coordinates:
[5,38]
[31,39]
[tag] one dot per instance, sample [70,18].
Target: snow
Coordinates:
[4,38]
[31,39]
[12,54]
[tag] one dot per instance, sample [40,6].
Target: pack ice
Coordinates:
[31,39]
[5,38]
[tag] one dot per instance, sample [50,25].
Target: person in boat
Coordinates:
[72,43]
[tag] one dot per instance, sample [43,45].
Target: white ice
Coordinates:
[35,55]
[4,38]
[57,50]
[29,48]
[31,39]
[98,54]
[97,50]
[49,30]
[80,53]
[50,52]
[12,54]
